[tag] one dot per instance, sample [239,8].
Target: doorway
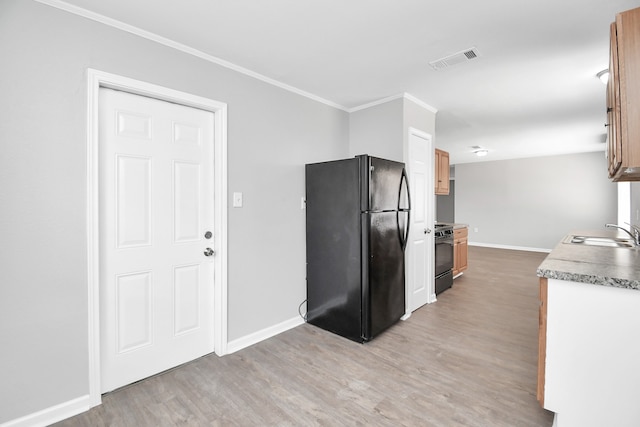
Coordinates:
[124,218]
[420,282]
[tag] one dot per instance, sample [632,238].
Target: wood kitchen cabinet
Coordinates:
[442,172]
[542,339]
[623,98]
[460,250]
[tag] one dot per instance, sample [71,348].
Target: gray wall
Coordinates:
[417,117]
[446,205]
[375,131]
[533,203]
[634,215]
[272,133]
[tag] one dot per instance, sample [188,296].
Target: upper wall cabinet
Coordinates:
[623,98]
[442,172]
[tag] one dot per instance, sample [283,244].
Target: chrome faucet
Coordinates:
[635,235]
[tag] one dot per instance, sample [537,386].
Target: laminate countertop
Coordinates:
[455,225]
[598,265]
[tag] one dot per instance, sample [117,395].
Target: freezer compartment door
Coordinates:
[383,273]
[384,186]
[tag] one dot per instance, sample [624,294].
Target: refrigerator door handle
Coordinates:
[404,238]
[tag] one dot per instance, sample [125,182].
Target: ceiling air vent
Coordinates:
[457,58]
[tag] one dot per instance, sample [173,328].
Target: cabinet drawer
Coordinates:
[460,233]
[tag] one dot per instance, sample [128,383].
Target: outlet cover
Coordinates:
[237,200]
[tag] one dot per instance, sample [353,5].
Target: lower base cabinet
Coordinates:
[460,250]
[588,356]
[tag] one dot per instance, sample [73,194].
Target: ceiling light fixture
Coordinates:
[482,152]
[603,76]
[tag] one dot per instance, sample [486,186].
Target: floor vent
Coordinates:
[457,58]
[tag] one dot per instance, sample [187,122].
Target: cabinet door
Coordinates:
[624,97]
[442,172]
[462,255]
[614,149]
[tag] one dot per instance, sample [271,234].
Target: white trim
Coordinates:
[624,203]
[52,414]
[76,10]
[514,248]
[58,4]
[97,79]
[393,98]
[93,243]
[421,103]
[375,103]
[256,337]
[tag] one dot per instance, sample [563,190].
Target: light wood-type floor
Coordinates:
[467,360]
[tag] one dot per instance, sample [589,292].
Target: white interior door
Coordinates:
[156,206]
[420,286]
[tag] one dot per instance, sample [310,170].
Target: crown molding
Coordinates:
[420,102]
[62,5]
[375,103]
[393,98]
[59,4]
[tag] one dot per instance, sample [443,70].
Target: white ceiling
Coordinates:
[533,91]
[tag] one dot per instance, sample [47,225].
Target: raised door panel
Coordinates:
[186,201]
[133,201]
[418,271]
[463,255]
[134,311]
[187,281]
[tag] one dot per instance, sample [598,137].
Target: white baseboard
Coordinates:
[514,248]
[77,406]
[53,414]
[258,336]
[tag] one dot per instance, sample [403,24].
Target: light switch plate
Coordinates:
[237,200]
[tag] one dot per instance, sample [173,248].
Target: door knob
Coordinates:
[209,252]
[427,230]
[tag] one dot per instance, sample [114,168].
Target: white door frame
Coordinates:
[96,80]
[430,197]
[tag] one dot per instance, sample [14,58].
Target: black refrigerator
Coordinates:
[357,220]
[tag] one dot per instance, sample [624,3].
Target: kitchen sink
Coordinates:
[612,242]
